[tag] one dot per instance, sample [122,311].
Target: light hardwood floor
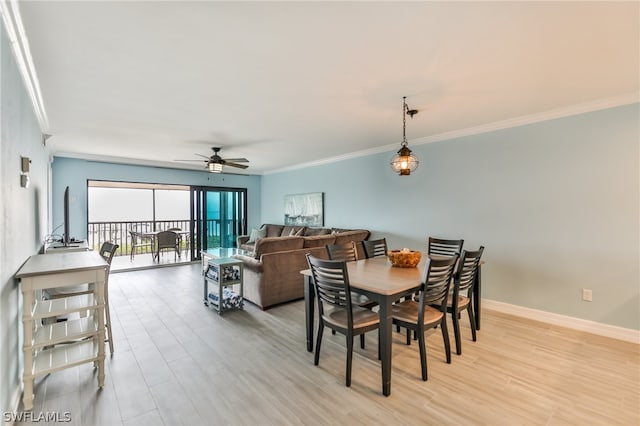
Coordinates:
[178,362]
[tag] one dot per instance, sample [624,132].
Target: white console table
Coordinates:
[57,247]
[44,351]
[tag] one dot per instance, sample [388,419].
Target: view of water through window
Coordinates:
[126,213]
[132,204]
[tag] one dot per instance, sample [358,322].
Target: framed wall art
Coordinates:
[304,209]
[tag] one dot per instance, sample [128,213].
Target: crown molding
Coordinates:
[582,108]
[22,53]
[577,109]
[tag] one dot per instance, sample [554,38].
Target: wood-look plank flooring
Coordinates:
[178,362]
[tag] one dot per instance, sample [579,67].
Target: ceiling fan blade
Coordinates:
[199,161]
[203,156]
[237,160]
[240,166]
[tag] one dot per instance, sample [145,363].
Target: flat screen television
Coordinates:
[66,239]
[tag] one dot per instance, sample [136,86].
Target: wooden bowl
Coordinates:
[404,259]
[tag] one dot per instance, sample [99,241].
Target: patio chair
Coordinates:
[167,240]
[140,240]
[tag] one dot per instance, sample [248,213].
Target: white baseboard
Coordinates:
[600,329]
[14,402]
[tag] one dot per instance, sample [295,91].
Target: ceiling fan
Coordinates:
[215,162]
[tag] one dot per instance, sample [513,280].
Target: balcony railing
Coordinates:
[118,233]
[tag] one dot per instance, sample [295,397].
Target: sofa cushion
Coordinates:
[273,230]
[354,235]
[292,231]
[248,247]
[257,234]
[273,244]
[339,230]
[319,240]
[316,231]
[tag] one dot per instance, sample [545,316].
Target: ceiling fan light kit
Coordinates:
[215,167]
[404,161]
[214,163]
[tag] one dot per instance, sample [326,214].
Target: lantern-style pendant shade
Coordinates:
[404,162]
[215,167]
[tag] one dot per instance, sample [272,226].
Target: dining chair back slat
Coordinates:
[346,251]
[374,248]
[437,279]
[468,269]
[332,284]
[441,247]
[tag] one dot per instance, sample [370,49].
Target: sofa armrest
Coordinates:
[242,239]
[249,262]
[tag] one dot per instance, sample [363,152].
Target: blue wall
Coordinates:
[75,173]
[23,213]
[556,205]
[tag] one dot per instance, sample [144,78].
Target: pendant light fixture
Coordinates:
[405,162]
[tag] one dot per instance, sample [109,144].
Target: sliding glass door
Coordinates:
[208,216]
[218,216]
[115,209]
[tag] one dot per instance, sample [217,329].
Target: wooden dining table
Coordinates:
[382,283]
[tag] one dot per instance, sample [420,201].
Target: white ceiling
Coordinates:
[286,83]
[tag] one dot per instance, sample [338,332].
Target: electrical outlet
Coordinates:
[587,295]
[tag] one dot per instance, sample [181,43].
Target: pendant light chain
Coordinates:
[404,121]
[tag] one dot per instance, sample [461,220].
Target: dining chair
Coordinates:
[167,240]
[419,316]
[463,282]
[444,247]
[377,248]
[335,309]
[107,251]
[349,253]
[374,248]
[345,251]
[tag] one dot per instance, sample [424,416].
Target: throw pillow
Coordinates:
[257,234]
[297,233]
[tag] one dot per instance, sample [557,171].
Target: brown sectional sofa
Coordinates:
[272,274]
